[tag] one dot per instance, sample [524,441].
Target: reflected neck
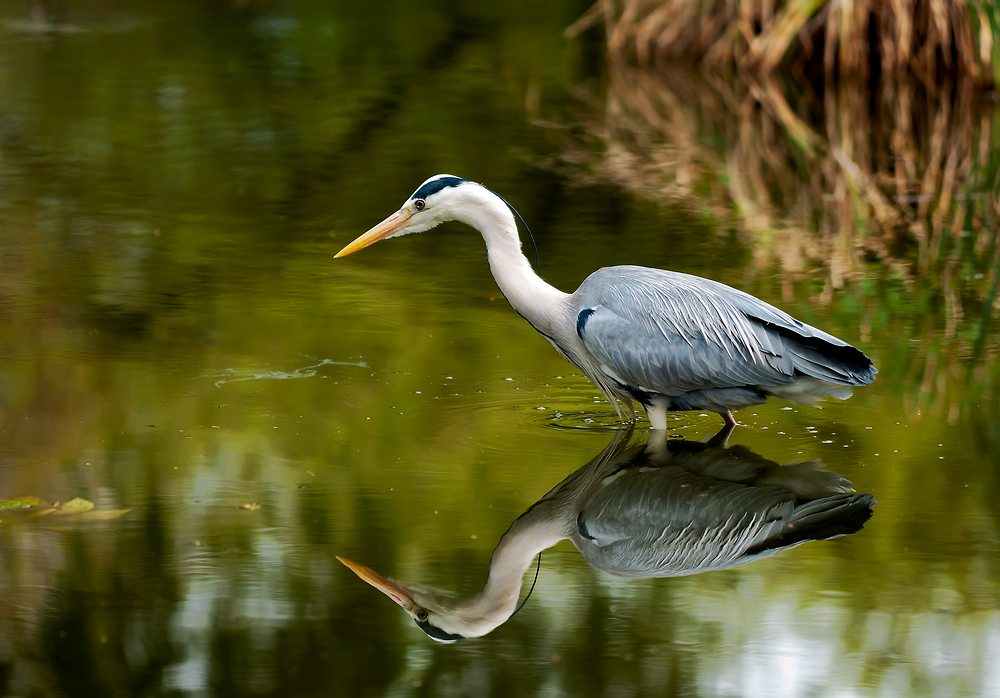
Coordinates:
[536,530]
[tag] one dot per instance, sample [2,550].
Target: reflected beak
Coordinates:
[390,226]
[393,590]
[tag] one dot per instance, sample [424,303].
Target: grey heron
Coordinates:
[668,340]
[655,509]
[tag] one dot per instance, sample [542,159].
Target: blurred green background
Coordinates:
[176,339]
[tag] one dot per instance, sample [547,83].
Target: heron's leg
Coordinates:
[721,439]
[657,414]
[728,418]
[656,444]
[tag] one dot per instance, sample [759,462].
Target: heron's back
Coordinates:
[673,333]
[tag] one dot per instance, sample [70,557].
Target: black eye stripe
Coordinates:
[437,633]
[437,185]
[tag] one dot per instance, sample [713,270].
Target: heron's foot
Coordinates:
[721,439]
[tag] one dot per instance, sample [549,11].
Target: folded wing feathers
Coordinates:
[716,333]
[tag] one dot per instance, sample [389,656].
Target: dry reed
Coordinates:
[901,173]
[847,38]
[875,114]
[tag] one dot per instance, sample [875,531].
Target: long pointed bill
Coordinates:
[393,590]
[390,226]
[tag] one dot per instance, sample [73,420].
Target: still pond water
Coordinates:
[178,347]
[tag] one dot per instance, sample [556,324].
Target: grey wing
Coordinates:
[673,333]
[670,522]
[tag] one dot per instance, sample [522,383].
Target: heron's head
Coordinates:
[445,618]
[440,199]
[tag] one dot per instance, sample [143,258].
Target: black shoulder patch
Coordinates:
[581,320]
[581,526]
[437,185]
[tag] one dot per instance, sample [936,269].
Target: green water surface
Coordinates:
[177,340]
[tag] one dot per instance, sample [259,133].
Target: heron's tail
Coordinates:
[820,519]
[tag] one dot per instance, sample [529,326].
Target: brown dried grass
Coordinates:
[845,38]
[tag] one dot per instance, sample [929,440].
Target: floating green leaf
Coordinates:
[103,515]
[77,505]
[77,509]
[21,503]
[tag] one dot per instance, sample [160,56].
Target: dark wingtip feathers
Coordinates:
[848,362]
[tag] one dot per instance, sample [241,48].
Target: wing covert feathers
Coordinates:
[671,333]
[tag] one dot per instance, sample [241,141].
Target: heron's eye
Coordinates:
[421,614]
[419,204]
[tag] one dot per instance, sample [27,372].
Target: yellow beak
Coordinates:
[390,226]
[393,590]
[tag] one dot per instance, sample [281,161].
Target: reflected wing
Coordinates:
[670,522]
[673,333]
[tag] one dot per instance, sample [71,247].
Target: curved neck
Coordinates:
[536,530]
[537,301]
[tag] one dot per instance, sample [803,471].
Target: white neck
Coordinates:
[539,303]
[533,532]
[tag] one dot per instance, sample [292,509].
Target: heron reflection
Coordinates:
[655,509]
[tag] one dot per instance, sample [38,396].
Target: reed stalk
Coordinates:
[842,38]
